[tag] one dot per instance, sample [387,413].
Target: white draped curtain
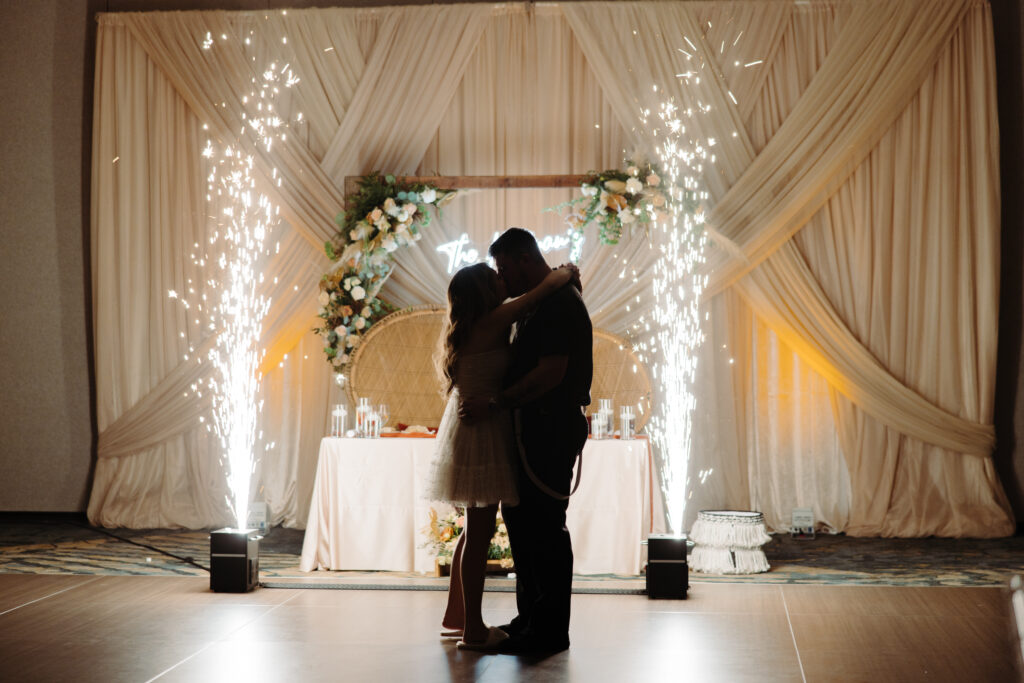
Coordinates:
[850,345]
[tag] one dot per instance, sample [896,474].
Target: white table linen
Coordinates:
[368,508]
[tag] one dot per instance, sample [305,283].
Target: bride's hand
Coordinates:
[558,277]
[575,274]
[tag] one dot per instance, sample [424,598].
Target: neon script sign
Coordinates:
[462,252]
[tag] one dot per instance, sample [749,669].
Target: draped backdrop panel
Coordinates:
[850,336]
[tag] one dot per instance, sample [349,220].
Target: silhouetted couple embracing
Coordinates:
[511,433]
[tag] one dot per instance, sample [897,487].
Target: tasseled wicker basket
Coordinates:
[729,542]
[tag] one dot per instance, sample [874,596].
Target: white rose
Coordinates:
[653,179]
[340,331]
[409,208]
[360,322]
[359,232]
[383,224]
[634,186]
[616,186]
[389,243]
[324,298]
[402,216]
[632,170]
[375,215]
[358,293]
[589,190]
[626,217]
[390,207]
[352,341]
[429,195]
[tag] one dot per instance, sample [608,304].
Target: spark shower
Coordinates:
[232,304]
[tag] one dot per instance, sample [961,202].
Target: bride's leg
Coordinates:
[478,533]
[455,612]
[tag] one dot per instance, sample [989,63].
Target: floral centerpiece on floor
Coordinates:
[382,216]
[443,535]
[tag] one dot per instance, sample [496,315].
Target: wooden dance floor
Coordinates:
[122,628]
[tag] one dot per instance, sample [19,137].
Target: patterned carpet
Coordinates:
[66,544]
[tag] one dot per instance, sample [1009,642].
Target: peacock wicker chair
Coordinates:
[621,376]
[397,363]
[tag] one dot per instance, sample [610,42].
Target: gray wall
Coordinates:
[46,427]
[47,422]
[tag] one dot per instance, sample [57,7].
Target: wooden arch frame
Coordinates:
[602,337]
[478,182]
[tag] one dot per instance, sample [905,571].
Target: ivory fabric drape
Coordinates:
[209,79]
[420,49]
[929,318]
[157,464]
[816,390]
[779,288]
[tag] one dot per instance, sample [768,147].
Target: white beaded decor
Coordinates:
[729,542]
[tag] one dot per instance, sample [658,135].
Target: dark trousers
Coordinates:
[541,546]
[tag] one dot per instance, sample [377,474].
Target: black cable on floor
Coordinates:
[187,560]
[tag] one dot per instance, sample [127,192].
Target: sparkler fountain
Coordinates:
[247,218]
[675,329]
[675,339]
[678,285]
[240,308]
[234,305]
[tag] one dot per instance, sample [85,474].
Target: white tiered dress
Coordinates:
[474,464]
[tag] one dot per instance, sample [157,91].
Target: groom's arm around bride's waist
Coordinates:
[545,377]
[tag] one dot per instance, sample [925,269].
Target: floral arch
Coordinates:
[385,212]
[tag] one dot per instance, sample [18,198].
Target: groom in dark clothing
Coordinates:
[548,384]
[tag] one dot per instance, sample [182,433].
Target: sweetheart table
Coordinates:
[368,506]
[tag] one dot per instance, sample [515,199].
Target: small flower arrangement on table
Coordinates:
[616,199]
[443,535]
[382,216]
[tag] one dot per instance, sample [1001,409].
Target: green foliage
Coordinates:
[382,215]
[617,199]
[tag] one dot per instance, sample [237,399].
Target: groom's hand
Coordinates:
[474,408]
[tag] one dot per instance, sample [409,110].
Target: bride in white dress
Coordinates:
[474,464]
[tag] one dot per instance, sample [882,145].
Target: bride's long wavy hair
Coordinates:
[472,294]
